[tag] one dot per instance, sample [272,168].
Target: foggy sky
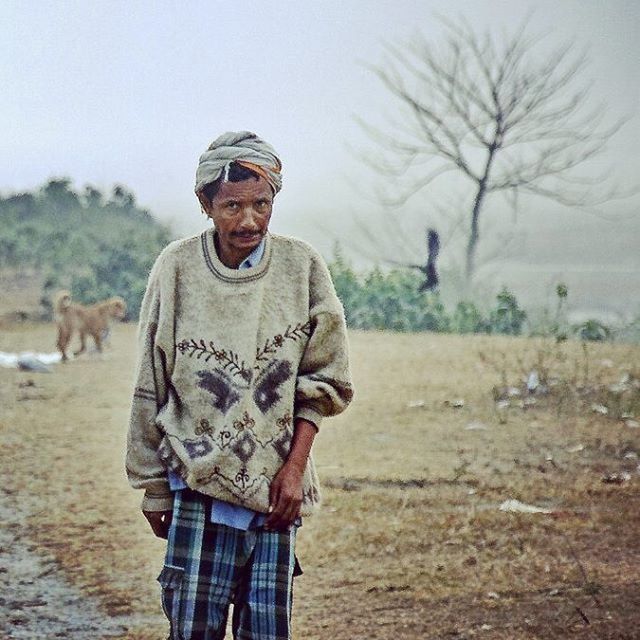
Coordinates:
[133,92]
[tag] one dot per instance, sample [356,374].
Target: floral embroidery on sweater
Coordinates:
[228,359]
[271,346]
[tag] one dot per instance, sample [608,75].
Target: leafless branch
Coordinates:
[498,112]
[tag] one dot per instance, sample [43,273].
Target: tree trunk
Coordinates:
[473,234]
[475,215]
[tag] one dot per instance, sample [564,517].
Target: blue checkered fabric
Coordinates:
[209,566]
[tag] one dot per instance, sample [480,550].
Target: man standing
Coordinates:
[243,351]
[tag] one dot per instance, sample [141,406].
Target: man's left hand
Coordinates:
[285,497]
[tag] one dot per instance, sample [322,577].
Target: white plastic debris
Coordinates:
[515,506]
[632,424]
[476,425]
[631,455]
[456,404]
[28,359]
[533,381]
[415,404]
[599,408]
[576,449]
[503,404]
[493,595]
[31,363]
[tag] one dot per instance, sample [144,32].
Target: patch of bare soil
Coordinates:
[37,600]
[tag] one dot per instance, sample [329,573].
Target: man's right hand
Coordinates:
[160,522]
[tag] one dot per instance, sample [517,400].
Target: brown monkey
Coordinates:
[94,320]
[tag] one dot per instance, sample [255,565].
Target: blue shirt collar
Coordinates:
[253,259]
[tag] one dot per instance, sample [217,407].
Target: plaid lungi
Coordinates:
[209,566]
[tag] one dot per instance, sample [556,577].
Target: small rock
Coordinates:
[515,506]
[599,408]
[616,478]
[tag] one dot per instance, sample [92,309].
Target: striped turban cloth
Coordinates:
[244,148]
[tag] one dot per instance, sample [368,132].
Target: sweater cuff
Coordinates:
[307,412]
[156,501]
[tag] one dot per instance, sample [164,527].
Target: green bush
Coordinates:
[386,300]
[392,300]
[467,318]
[507,318]
[592,330]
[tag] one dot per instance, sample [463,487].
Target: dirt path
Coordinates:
[38,601]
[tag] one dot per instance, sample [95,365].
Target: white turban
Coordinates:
[242,147]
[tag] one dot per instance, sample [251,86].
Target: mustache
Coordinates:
[247,234]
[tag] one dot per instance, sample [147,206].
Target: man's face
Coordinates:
[241,212]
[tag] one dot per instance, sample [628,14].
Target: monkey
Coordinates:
[94,320]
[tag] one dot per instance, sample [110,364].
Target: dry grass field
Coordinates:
[411,542]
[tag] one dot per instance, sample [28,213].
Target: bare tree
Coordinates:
[501,114]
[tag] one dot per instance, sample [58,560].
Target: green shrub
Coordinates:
[592,330]
[507,317]
[467,318]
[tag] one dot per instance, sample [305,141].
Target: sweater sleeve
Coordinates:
[323,386]
[144,468]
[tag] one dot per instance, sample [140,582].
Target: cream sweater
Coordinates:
[227,360]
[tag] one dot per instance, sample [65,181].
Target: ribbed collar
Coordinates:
[227,274]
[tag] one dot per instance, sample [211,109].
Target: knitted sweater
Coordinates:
[227,360]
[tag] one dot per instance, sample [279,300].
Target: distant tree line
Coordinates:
[99,245]
[94,244]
